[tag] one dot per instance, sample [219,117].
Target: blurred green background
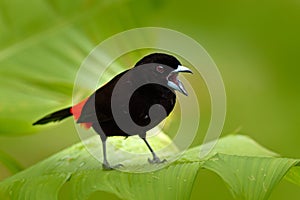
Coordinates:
[255,44]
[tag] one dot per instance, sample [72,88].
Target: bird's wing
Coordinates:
[98,106]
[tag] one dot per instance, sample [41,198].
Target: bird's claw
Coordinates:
[156,160]
[106,166]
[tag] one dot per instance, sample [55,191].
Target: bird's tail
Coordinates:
[56,116]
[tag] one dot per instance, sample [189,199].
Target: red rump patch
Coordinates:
[76,112]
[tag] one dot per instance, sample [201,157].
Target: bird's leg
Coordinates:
[105,164]
[155,157]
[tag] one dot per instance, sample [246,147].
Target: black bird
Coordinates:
[131,103]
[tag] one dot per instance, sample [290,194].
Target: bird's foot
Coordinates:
[156,160]
[106,166]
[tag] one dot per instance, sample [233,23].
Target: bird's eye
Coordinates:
[160,69]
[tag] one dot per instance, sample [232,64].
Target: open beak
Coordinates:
[174,82]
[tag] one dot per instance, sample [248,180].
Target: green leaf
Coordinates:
[251,175]
[174,182]
[251,178]
[232,145]
[12,165]
[294,175]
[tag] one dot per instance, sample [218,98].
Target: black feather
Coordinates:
[54,117]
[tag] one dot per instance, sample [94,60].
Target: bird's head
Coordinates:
[167,68]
